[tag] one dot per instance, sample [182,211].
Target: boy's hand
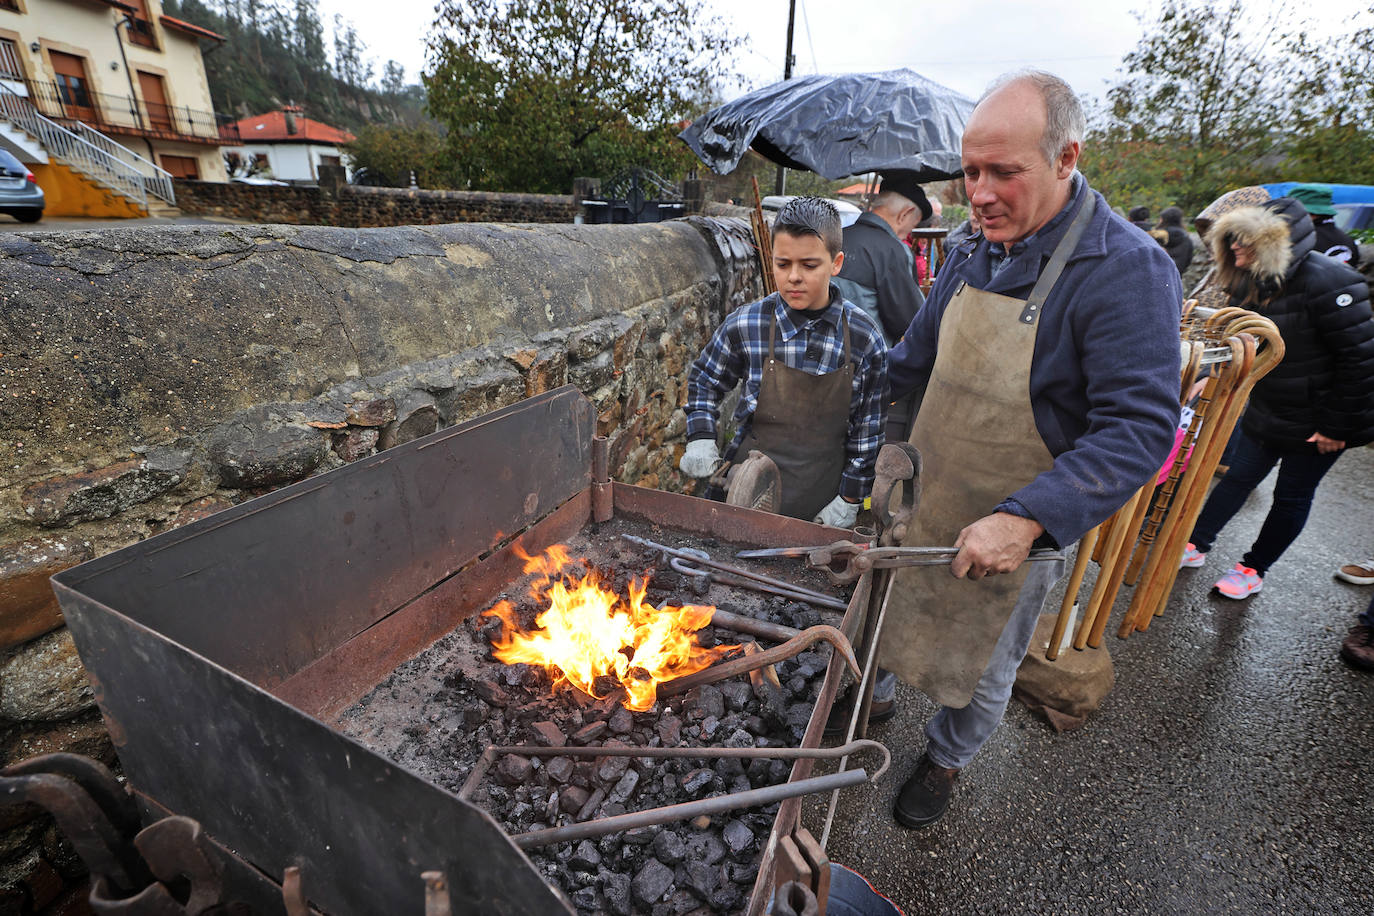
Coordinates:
[838,513]
[701,458]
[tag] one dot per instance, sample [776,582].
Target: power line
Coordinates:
[806,24]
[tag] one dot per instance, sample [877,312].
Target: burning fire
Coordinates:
[587,632]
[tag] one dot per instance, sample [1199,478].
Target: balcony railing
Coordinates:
[123,114]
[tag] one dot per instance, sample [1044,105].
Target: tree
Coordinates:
[537,92]
[393,78]
[349,64]
[392,153]
[1331,100]
[1201,87]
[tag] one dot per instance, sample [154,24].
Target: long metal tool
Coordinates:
[844,561]
[693,557]
[706,576]
[746,663]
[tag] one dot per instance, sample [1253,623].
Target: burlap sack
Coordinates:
[1066,690]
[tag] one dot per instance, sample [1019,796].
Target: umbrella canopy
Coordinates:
[838,125]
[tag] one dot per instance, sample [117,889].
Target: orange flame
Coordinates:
[587,632]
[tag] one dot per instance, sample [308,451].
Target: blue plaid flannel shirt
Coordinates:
[740,345]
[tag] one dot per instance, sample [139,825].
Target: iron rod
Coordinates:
[746,663]
[752,798]
[705,753]
[726,568]
[796,593]
[752,626]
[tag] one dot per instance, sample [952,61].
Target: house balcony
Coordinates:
[121,114]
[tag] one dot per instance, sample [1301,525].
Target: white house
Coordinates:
[288,146]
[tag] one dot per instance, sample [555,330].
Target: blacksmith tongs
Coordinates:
[844,561]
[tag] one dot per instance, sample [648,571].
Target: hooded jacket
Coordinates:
[1325,382]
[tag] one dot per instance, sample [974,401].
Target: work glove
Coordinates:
[838,513]
[701,458]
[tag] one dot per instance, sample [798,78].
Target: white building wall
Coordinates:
[291,161]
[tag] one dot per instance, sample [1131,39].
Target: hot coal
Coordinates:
[437,712]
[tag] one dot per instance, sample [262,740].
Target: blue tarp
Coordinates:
[1340,193]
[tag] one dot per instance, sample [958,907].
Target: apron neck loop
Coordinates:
[1062,252]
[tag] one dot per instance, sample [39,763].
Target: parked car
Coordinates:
[20,195]
[849,213]
[1354,203]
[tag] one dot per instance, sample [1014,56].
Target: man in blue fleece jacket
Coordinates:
[1047,358]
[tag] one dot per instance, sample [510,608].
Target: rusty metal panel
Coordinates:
[337,553]
[713,519]
[280,788]
[341,678]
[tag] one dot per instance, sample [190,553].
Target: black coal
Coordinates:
[436,713]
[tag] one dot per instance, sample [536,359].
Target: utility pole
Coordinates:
[780,185]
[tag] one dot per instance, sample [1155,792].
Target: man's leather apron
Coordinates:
[802,423]
[979,444]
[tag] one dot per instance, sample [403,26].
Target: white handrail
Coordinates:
[86,156]
[158,181]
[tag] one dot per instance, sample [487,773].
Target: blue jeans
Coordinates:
[953,736]
[1251,462]
[1367,617]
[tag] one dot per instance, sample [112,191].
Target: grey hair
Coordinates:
[812,216]
[1065,122]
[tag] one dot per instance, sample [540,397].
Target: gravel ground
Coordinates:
[1226,773]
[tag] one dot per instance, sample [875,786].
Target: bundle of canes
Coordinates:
[1256,347]
[1148,534]
[763,241]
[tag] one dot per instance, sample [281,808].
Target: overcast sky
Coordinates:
[961,44]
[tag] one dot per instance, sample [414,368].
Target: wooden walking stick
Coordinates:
[1116,567]
[1243,349]
[1212,406]
[1080,567]
[1121,527]
[763,240]
[1164,494]
[1257,363]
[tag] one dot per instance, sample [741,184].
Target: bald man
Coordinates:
[1047,356]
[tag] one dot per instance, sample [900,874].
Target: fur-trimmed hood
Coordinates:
[1279,231]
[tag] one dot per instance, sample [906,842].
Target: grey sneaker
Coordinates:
[1357,573]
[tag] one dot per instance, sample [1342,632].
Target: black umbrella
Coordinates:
[838,125]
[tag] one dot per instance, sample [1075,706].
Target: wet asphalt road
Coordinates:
[1229,771]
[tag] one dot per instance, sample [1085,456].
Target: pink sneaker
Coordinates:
[1241,582]
[1192,558]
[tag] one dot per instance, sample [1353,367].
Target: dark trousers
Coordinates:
[1251,461]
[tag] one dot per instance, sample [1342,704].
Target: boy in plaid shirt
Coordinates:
[814,368]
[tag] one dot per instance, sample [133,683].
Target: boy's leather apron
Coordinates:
[979,444]
[802,423]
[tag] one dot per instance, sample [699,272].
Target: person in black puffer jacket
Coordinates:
[1179,245]
[1314,404]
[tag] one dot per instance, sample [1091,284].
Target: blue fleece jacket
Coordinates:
[1104,380]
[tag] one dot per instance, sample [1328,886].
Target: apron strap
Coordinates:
[772,329]
[844,318]
[1058,260]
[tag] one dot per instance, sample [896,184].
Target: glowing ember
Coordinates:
[588,632]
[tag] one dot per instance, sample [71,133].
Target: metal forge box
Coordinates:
[221,652]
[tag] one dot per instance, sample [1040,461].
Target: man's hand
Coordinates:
[997,543]
[1324,445]
[701,458]
[838,513]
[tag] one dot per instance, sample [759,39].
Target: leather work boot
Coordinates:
[1358,647]
[925,796]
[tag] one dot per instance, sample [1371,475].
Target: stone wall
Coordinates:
[152,376]
[348,205]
